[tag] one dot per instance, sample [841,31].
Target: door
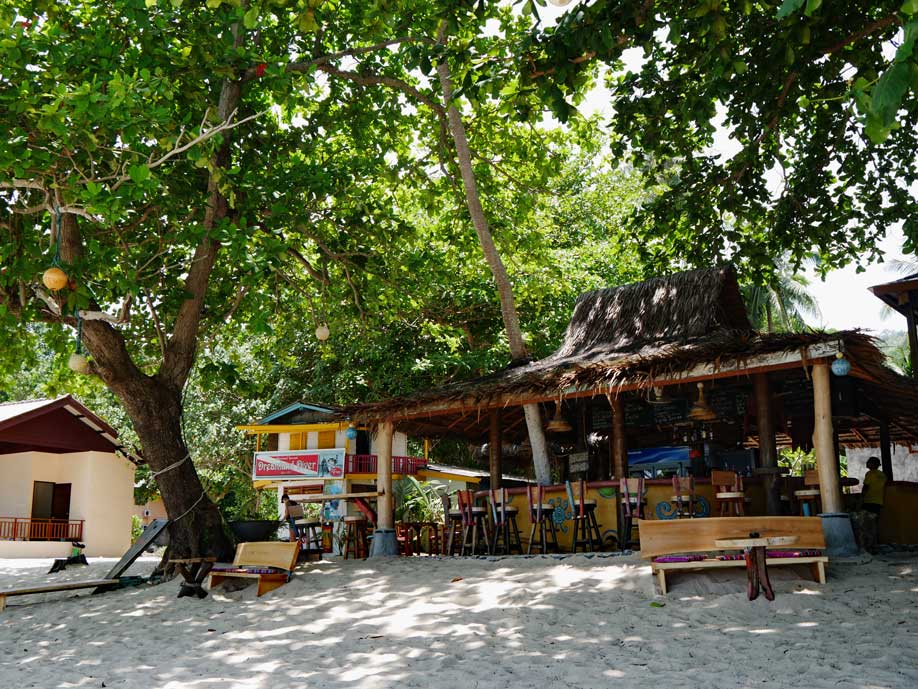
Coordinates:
[42,499]
[60,501]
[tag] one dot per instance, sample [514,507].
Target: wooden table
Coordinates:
[754,549]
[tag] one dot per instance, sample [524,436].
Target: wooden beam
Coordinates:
[619,446]
[495,448]
[768,448]
[384,504]
[829,486]
[886,449]
[912,331]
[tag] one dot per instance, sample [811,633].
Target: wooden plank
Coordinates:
[328,497]
[279,554]
[141,544]
[659,537]
[63,586]
[764,541]
[714,563]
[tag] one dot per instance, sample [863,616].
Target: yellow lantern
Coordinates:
[54,279]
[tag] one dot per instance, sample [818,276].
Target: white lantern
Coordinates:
[560,3]
[322,332]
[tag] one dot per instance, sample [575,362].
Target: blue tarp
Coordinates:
[659,455]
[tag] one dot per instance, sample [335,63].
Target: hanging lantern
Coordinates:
[700,411]
[322,332]
[54,279]
[351,433]
[841,366]
[78,363]
[558,424]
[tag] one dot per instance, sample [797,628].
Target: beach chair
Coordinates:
[270,563]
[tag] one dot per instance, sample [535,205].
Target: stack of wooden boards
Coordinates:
[675,545]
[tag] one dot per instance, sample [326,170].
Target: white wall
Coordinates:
[399,444]
[905,464]
[102,493]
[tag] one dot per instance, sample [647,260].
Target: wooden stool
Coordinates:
[355,537]
[474,524]
[505,526]
[632,507]
[541,518]
[586,529]
[728,493]
[310,535]
[684,497]
[808,498]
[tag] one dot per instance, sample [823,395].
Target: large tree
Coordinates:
[812,105]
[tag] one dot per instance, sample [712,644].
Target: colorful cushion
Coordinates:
[680,558]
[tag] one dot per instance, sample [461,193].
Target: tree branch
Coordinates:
[382,80]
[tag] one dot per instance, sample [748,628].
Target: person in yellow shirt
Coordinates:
[873,488]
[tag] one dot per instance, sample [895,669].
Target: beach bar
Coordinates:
[666,384]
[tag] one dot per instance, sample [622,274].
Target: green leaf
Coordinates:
[788,7]
[214,4]
[909,7]
[139,173]
[812,6]
[887,94]
[908,42]
[306,22]
[250,18]
[150,3]
[657,604]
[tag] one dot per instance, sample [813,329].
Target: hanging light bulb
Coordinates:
[322,332]
[700,411]
[558,424]
[54,279]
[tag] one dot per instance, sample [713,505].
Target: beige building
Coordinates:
[63,477]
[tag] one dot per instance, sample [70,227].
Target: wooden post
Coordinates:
[384,504]
[768,449]
[494,448]
[886,449]
[912,331]
[619,448]
[825,447]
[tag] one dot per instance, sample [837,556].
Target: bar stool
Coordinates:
[586,528]
[310,534]
[453,525]
[632,507]
[474,524]
[506,533]
[808,497]
[728,493]
[684,496]
[355,536]
[541,518]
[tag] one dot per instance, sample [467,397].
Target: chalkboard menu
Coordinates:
[601,416]
[638,414]
[672,413]
[578,461]
[728,402]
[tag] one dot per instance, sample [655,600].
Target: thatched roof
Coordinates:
[639,334]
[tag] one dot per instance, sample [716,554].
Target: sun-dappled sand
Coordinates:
[423,622]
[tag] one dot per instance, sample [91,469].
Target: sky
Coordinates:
[844,298]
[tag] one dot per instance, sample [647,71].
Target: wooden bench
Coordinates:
[270,562]
[690,537]
[50,588]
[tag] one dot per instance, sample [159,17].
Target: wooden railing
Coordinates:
[366,464]
[26,529]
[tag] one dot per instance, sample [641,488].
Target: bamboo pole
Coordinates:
[829,486]
[384,506]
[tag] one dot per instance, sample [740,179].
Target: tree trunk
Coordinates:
[196,528]
[508,310]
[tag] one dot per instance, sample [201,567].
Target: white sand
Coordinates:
[577,622]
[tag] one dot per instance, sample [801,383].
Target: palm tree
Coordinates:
[781,304]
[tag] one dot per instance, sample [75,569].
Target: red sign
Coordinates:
[295,464]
